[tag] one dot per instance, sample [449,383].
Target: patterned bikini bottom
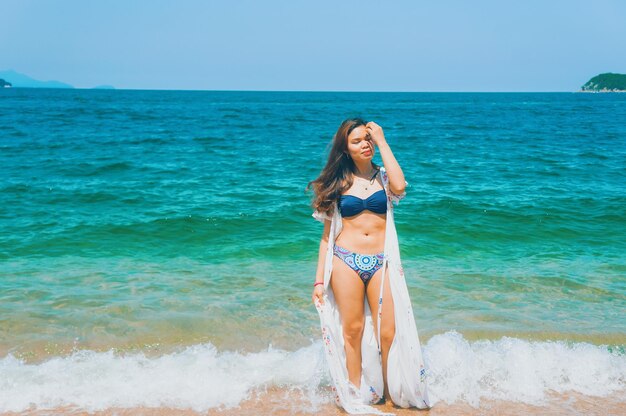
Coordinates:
[365,265]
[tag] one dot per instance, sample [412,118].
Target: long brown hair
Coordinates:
[336,177]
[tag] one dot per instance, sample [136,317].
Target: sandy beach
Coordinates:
[283,403]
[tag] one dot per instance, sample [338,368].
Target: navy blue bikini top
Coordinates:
[350,205]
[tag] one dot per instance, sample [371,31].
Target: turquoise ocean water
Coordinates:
[158,225]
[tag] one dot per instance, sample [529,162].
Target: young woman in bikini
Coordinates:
[352,180]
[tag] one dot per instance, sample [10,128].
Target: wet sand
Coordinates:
[283,403]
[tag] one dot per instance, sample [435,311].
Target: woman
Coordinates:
[359,276]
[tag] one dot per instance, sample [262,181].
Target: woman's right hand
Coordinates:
[318,293]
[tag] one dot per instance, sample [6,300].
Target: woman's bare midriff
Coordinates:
[363,233]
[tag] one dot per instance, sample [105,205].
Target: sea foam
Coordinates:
[200,377]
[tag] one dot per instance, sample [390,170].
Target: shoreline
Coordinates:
[464,378]
[38,351]
[282,402]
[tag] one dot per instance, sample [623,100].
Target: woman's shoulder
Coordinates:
[383,174]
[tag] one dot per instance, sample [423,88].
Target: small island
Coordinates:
[608,82]
[5,84]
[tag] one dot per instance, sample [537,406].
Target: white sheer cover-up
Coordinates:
[406,374]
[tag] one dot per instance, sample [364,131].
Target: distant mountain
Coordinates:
[608,82]
[4,84]
[21,80]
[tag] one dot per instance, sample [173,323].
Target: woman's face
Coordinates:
[360,147]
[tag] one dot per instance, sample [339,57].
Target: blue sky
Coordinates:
[316,45]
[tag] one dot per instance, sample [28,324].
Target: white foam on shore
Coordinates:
[518,370]
[200,377]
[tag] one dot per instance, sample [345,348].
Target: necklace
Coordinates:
[371,180]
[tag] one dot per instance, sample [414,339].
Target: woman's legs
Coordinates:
[387,320]
[349,293]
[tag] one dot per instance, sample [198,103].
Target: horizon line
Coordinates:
[320,91]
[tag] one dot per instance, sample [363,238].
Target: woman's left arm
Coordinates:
[397,183]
